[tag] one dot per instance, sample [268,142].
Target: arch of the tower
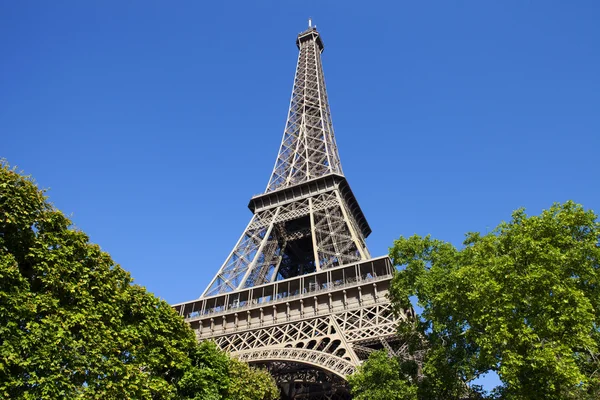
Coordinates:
[316,341]
[313,358]
[304,380]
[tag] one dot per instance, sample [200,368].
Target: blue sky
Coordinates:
[153,123]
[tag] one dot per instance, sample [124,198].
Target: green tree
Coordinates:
[523,301]
[72,324]
[232,379]
[209,377]
[249,383]
[382,378]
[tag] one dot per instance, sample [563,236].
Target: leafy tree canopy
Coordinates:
[72,324]
[522,301]
[381,378]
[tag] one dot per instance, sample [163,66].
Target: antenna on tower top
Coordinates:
[309,22]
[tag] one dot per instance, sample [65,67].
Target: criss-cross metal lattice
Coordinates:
[307,219]
[308,149]
[327,321]
[300,293]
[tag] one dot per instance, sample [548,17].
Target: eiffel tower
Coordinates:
[300,294]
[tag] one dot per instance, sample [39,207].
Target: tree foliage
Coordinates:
[522,301]
[72,324]
[248,381]
[382,378]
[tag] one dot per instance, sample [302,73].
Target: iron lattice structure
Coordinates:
[308,149]
[300,293]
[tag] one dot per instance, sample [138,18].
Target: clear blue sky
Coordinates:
[153,123]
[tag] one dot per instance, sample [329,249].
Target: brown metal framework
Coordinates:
[300,293]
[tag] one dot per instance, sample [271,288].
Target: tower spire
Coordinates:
[308,149]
